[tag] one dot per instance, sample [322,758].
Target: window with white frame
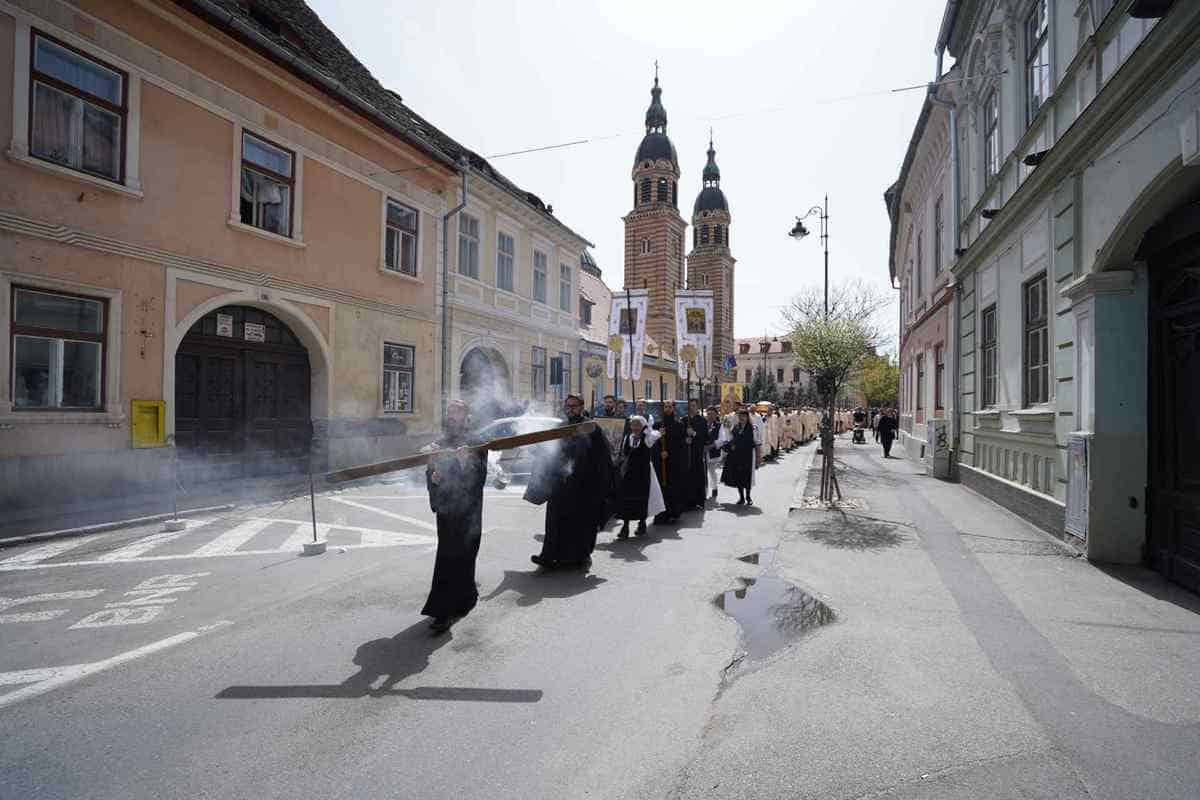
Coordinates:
[1037,60]
[987,347]
[991,134]
[539,276]
[268,179]
[560,375]
[398,378]
[78,110]
[920,404]
[937,236]
[1037,342]
[920,267]
[468,245]
[538,373]
[506,250]
[779,375]
[585,311]
[400,250]
[939,377]
[649,390]
[564,287]
[795,374]
[58,345]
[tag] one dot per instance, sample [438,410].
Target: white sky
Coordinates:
[768,75]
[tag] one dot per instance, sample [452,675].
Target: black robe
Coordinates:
[573,476]
[739,464]
[633,485]
[458,502]
[697,474]
[673,473]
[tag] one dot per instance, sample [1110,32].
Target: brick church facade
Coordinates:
[655,242]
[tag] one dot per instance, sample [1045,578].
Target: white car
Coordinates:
[504,465]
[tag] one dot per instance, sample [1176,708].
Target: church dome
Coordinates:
[711,198]
[655,146]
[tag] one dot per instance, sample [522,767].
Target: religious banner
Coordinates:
[694,333]
[731,397]
[627,333]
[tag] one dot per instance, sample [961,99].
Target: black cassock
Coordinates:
[633,485]
[673,473]
[572,476]
[739,464]
[458,502]
[697,474]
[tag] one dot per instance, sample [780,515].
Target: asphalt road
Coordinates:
[220,663]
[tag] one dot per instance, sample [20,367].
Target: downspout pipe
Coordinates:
[953,332]
[446,332]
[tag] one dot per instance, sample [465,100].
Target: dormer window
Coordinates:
[744,348]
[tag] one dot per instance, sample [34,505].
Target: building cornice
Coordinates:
[1116,281]
[61,234]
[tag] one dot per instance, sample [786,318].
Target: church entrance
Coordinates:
[484,384]
[1172,250]
[242,391]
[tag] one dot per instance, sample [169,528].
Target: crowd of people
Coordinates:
[663,468]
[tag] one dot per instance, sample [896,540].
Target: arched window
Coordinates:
[635,192]
[695,236]
[645,246]
[716,234]
[663,191]
[703,234]
[645,190]
[675,194]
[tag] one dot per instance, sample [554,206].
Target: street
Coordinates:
[916,653]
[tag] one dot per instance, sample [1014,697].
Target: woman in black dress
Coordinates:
[638,492]
[739,463]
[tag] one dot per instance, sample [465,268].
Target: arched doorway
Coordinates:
[242,393]
[484,383]
[1172,251]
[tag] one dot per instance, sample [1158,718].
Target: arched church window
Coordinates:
[635,192]
[675,194]
[645,190]
[645,246]
[663,191]
[703,234]
[716,234]
[695,236]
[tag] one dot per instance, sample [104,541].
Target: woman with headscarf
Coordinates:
[455,481]
[741,458]
[638,493]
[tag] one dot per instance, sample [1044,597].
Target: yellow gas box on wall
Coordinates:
[148,423]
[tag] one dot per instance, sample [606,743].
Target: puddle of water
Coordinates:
[773,613]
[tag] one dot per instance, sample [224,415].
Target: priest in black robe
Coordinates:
[697,437]
[573,477]
[670,458]
[455,481]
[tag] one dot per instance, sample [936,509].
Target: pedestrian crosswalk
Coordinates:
[212,538]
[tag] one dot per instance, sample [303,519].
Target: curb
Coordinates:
[107,526]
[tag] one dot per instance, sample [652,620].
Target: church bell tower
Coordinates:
[654,230]
[710,264]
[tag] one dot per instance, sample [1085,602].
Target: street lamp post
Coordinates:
[799,232]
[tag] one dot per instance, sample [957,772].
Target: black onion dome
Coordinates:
[655,146]
[656,115]
[711,171]
[711,198]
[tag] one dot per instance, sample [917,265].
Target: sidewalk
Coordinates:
[972,656]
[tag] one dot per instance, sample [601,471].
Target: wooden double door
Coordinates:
[1174,492]
[241,406]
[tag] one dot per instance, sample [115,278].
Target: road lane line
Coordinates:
[148,543]
[302,532]
[410,520]
[47,551]
[47,614]
[232,539]
[61,676]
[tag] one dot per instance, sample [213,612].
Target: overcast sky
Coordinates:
[798,94]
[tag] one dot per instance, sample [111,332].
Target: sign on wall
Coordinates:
[627,333]
[224,325]
[693,332]
[254,332]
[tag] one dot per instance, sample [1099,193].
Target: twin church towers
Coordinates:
[655,237]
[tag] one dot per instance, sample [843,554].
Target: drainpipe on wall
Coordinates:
[952,333]
[465,167]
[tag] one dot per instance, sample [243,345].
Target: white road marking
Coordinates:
[45,680]
[232,539]
[420,523]
[110,617]
[48,597]
[148,543]
[47,551]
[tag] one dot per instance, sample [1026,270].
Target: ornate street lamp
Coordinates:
[799,232]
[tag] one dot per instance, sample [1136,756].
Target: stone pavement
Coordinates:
[972,656]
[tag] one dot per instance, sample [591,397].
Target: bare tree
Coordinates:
[852,301]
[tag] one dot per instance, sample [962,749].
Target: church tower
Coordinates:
[710,264]
[654,231]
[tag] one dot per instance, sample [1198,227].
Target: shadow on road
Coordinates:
[405,654]
[843,531]
[534,586]
[741,511]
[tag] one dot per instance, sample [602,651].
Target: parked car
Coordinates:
[505,465]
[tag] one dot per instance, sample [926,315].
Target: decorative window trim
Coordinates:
[419,277]
[19,149]
[545,271]
[112,413]
[477,238]
[235,186]
[1028,327]
[985,401]
[383,372]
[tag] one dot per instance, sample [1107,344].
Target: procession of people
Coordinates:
[661,469]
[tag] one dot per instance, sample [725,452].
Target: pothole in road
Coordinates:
[772,612]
